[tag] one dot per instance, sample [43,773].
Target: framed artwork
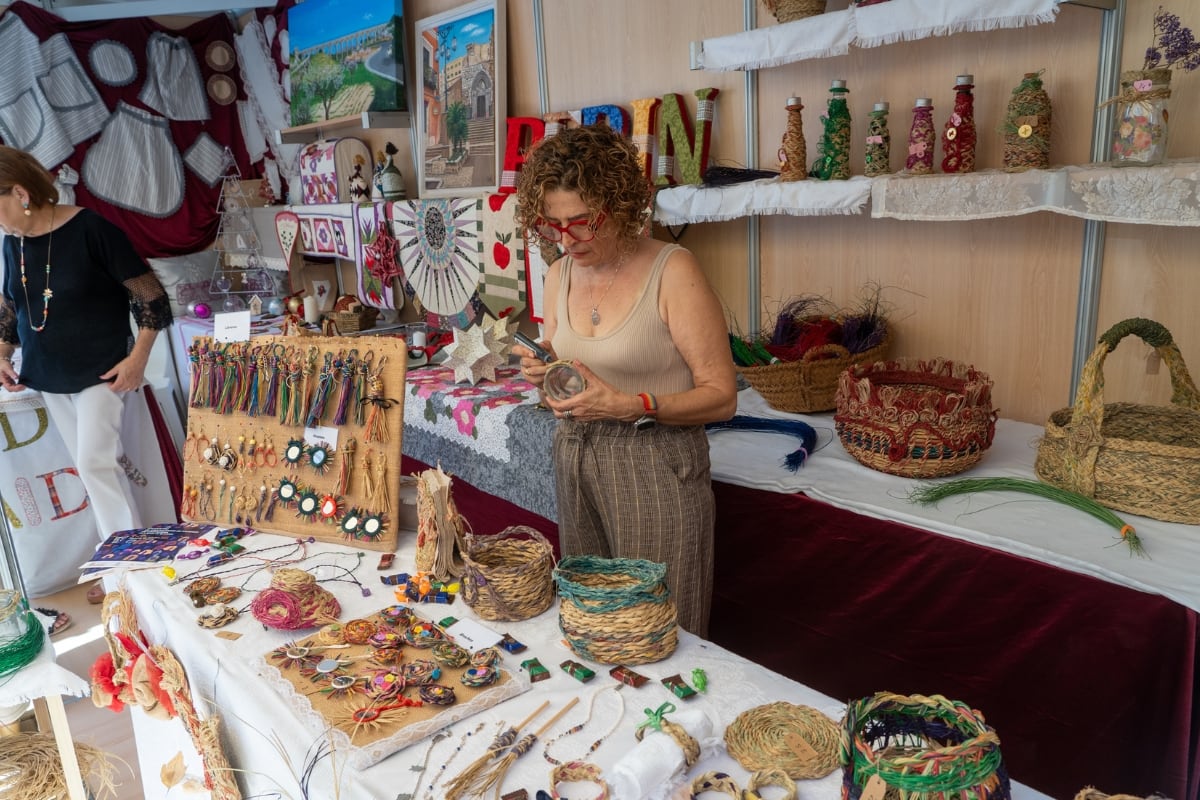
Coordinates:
[346,58]
[460,115]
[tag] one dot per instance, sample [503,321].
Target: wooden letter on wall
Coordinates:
[614,115]
[676,132]
[643,131]
[522,134]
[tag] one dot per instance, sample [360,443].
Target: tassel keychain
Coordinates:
[921,139]
[377,427]
[346,466]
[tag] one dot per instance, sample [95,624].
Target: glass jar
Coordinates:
[1140,127]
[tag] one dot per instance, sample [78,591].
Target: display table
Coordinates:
[256,721]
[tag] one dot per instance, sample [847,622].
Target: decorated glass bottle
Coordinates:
[1140,127]
[833,162]
[793,158]
[921,139]
[879,142]
[1026,126]
[958,135]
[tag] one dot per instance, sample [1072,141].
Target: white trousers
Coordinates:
[90,425]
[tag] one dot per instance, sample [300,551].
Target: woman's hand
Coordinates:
[597,401]
[532,369]
[9,377]
[127,376]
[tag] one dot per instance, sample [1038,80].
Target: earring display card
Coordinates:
[297,435]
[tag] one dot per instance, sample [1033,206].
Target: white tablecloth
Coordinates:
[1016,523]
[221,674]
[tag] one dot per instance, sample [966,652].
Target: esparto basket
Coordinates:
[616,610]
[923,748]
[1133,457]
[354,321]
[915,418]
[788,10]
[810,384]
[508,576]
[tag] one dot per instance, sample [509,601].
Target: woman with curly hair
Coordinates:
[640,322]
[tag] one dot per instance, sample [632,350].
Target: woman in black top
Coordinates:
[71,280]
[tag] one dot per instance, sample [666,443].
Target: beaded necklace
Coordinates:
[458,749]
[575,729]
[47,294]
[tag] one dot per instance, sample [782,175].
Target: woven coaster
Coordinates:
[799,740]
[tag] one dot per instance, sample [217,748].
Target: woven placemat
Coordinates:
[775,735]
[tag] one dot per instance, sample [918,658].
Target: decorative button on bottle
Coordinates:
[958,136]
[921,138]
[879,143]
[793,158]
[833,163]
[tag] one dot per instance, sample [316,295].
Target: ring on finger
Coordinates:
[567,414]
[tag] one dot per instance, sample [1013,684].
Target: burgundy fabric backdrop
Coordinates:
[194,226]
[1086,682]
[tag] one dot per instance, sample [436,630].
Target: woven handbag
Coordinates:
[1142,459]
[508,576]
[810,384]
[914,418]
[616,610]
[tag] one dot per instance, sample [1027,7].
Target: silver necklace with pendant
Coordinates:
[595,316]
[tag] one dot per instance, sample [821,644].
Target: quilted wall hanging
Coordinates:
[377,267]
[441,252]
[502,289]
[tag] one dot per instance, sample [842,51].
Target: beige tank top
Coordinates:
[636,356]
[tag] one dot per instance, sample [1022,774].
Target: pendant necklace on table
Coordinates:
[596,304]
[577,728]
[46,293]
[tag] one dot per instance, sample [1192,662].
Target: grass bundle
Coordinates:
[479,769]
[31,769]
[931,493]
[798,428]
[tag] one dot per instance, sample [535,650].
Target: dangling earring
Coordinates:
[25,205]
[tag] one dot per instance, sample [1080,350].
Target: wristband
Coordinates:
[649,403]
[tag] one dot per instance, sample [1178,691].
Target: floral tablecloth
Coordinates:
[492,435]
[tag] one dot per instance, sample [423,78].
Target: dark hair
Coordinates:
[18,168]
[598,163]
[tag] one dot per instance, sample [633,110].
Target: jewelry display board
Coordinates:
[381,695]
[297,435]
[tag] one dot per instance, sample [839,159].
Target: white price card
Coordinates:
[232,326]
[472,636]
[324,435]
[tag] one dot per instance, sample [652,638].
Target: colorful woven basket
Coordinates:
[810,384]
[508,575]
[788,10]
[616,610]
[914,418]
[923,748]
[1138,458]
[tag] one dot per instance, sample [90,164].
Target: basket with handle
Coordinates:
[507,576]
[809,384]
[1143,459]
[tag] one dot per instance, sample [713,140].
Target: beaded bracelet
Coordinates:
[770,777]
[577,771]
[716,782]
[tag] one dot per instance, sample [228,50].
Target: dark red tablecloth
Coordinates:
[1086,682]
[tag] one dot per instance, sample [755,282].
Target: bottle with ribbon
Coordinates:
[833,163]
[921,139]
[958,135]
[879,142]
[793,158]
[1140,127]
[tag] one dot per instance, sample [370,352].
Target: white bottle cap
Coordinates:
[881,106]
[793,101]
[964,80]
[838,83]
[923,102]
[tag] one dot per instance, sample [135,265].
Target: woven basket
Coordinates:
[508,576]
[1138,458]
[788,10]
[354,321]
[616,610]
[761,738]
[810,384]
[924,748]
[917,419]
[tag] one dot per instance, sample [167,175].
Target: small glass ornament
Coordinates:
[833,164]
[878,154]
[793,158]
[1140,128]
[921,138]
[958,135]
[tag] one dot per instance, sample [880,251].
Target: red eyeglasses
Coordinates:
[581,230]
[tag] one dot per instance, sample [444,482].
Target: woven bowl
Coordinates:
[616,610]
[761,738]
[508,576]
[914,418]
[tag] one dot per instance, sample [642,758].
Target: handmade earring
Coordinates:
[25,205]
[308,505]
[294,453]
[319,456]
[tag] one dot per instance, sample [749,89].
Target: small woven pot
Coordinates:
[294,601]
[810,384]
[916,419]
[924,748]
[788,10]
[616,610]
[508,575]
[1133,457]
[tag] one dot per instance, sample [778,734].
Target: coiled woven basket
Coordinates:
[810,384]
[508,576]
[924,748]
[1139,458]
[616,610]
[914,418]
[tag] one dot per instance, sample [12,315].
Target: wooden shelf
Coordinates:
[303,134]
